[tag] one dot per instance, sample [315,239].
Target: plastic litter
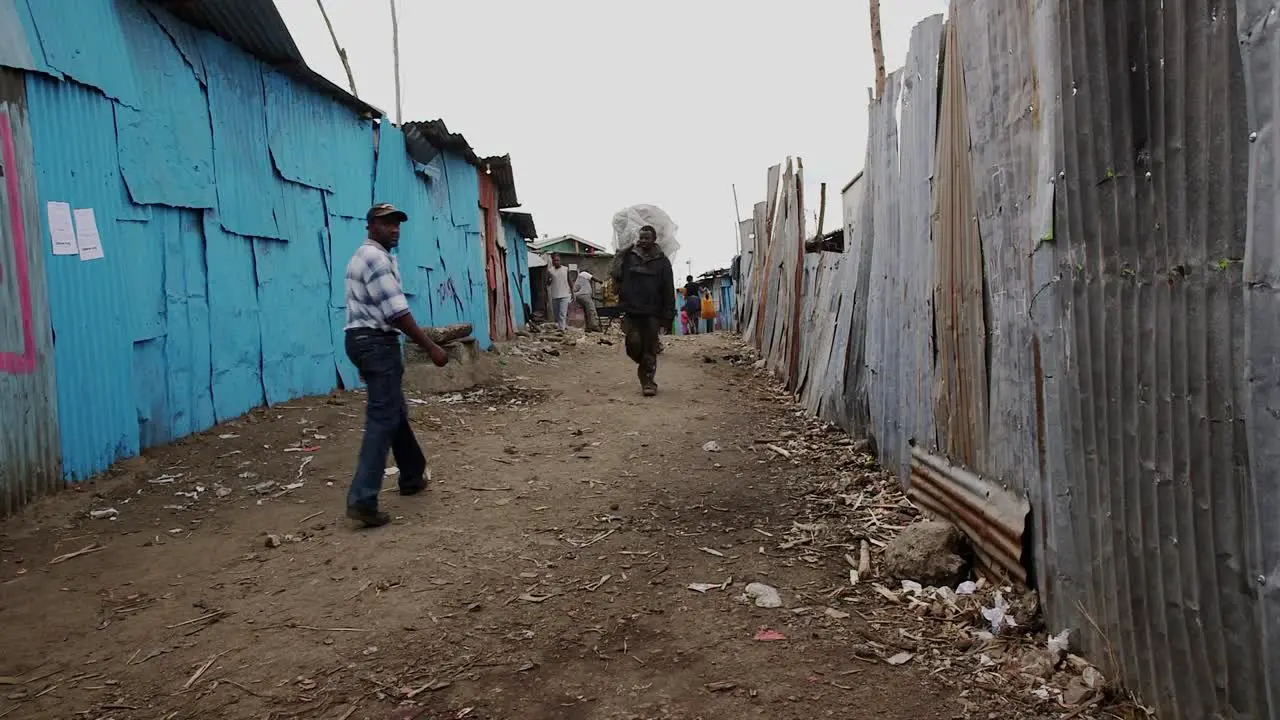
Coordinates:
[901,658]
[704,587]
[105,514]
[763,595]
[766,635]
[711,447]
[1059,644]
[968,587]
[627,224]
[998,615]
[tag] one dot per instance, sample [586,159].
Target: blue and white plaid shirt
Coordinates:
[375,296]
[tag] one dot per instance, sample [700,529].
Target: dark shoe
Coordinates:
[368,518]
[649,390]
[416,487]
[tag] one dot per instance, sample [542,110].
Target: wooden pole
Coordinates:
[342,53]
[395,54]
[877,48]
[822,209]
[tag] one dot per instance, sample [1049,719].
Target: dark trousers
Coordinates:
[642,345]
[386,422]
[695,321]
[711,325]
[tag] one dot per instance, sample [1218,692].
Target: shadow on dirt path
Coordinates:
[545,575]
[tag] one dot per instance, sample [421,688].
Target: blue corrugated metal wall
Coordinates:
[228,199]
[518,274]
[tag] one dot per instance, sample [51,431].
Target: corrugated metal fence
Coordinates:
[228,199]
[1088,322]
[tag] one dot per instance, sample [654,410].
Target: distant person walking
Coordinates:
[377,312]
[708,311]
[584,294]
[558,287]
[647,296]
[693,305]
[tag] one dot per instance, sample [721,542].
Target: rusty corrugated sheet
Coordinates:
[993,518]
[499,168]
[960,324]
[30,455]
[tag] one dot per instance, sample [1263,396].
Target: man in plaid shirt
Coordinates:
[377,312]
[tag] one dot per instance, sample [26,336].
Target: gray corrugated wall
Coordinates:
[1259,35]
[899,341]
[30,463]
[883,305]
[1149,240]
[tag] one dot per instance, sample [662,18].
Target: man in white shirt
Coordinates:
[584,293]
[558,286]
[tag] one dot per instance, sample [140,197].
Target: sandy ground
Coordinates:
[545,574]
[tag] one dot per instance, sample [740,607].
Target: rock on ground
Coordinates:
[930,553]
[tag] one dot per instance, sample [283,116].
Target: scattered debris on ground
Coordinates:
[579,555]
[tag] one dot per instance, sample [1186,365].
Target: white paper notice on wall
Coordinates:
[87,235]
[61,230]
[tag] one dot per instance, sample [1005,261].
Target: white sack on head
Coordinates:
[627,224]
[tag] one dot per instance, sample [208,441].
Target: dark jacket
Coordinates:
[646,286]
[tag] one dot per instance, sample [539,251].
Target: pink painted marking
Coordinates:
[24,362]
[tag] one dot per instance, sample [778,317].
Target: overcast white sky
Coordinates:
[603,105]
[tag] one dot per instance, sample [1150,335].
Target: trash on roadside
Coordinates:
[165,479]
[704,587]
[711,447]
[966,588]
[104,514]
[767,635]
[228,436]
[901,658]
[998,615]
[391,472]
[1059,644]
[835,614]
[763,596]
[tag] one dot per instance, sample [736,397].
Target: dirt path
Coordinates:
[544,576]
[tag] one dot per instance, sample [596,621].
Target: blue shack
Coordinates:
[180,196]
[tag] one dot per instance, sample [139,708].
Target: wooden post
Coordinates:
[342,54]
[877,48]
[395,55]
[822,209]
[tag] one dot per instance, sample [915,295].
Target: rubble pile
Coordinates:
[908,579]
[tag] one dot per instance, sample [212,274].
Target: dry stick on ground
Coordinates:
[72,555]
[203,669]
[192,621]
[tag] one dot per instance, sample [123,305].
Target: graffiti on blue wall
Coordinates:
[228,199]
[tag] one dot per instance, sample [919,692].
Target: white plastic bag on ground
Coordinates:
[627,224]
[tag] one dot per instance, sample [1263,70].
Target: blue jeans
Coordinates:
[386,422]
[562,312]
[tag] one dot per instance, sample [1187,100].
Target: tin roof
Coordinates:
[257,27]
[523,223]
[499,169]
[427,139]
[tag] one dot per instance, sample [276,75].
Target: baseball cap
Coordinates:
[382,210]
